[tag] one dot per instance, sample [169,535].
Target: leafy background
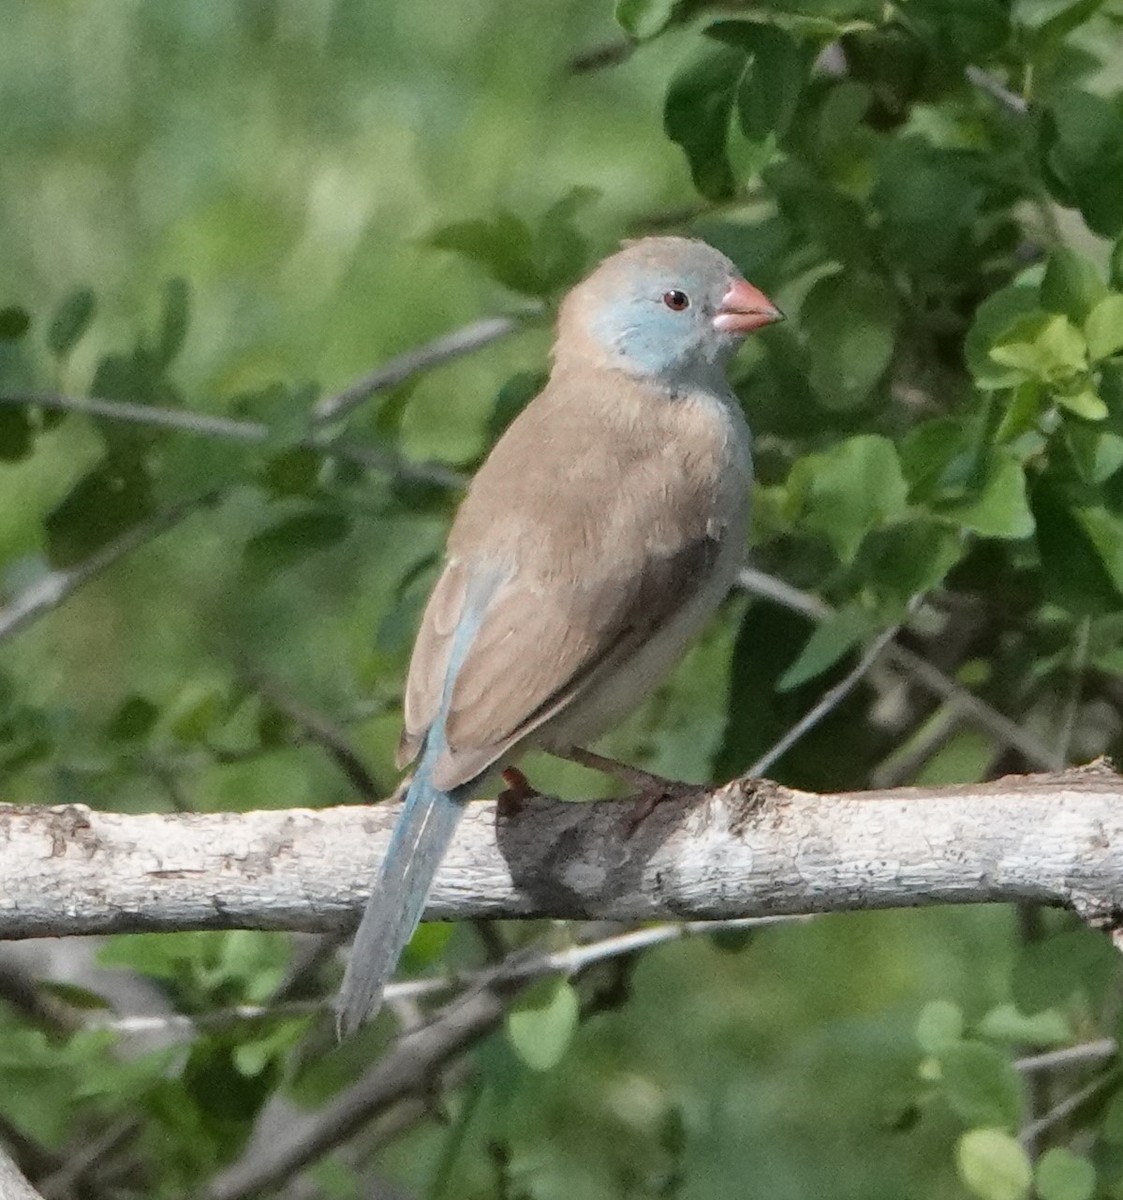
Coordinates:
[233,210]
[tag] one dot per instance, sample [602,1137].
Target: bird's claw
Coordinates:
[518,790]
[647,801]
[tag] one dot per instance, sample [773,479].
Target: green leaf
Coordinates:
[1105,533]
[961,30]
[993,1165]
[1049,348]
[101,506]
[72,318]
[773,80]
[75,995]
[1082,148]
[1062,1175]
[939,1026]
[561,251]
[642,19]
[173,322]
[1111,1126]
[1071,285]
[911,557]
[502,246]
[1082,401]
[291,540]
[981,1084]
[1051,20]
[1000,509]
[1073,574]
[16,433]
[1103,329]
[697,114]
[541,1025]
[929,200]
[429,942]
[1004,1023]
[846,491]
[134,719]
[293,472]
[827,644]
[14,323]
[1028,403]
[849,322]
[1046,973]
[198,709]
[993,318]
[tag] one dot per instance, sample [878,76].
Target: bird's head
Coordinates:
[669,309]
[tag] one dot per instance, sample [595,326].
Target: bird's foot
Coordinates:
[651,797]
[643,781]
[651,789]
[518,790]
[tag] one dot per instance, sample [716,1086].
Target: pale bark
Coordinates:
[745,849]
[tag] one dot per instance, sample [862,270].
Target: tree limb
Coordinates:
[13,1186]
[917,668]
[749,848]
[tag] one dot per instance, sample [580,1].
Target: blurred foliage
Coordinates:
[230,211]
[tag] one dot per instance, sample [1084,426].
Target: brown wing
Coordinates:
[541,645]
[599,550]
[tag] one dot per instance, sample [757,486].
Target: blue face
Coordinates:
[659,322]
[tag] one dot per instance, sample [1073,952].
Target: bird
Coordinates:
[599,535]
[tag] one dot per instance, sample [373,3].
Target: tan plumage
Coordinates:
[646,502]
[604,528]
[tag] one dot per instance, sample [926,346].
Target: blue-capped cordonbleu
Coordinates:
[599,535]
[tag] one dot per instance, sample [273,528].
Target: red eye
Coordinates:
[676,300]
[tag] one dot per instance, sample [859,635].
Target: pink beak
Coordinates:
[745,308]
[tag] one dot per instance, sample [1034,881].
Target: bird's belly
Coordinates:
[613,696]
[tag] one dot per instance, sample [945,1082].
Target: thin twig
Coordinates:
[207,425]
[53,588]
[1032,1132]
[829,701]
[456,344]
[1072,700]
[418,1055]
[61,1181]
[13,1186]
[1032,749]
[596,58]
[322,732]
[524,964]
[916,668]
[986,82]
[1069,1056]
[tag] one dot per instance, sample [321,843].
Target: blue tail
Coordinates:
[420,839]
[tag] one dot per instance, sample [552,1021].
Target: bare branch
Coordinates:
[1069,1056]
[609,54]
[830,700]
[55,587]
[529,965]
[230,429]
[916,668]
[415,1057]
[1030,1134]
[750,848]
[986,82]
[321,731]
[13,1186]
[456,344]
